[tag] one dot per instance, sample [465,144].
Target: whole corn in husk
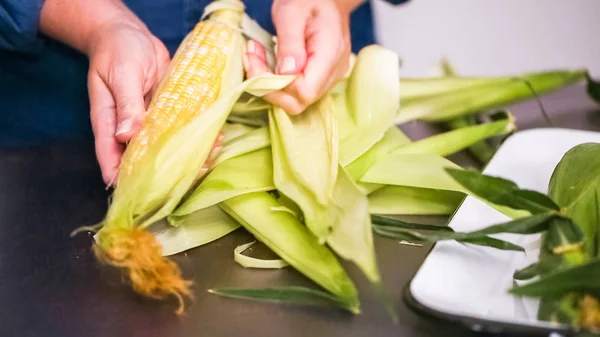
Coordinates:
[164,160]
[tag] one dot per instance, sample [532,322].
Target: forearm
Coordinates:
[350,5]
[74,22]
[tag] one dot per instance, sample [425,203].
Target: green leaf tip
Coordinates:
[503,192]
[288,295]
[593,88]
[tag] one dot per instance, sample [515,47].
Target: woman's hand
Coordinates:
[313,42]
[126,64]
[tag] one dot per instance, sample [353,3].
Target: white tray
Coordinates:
[470,283]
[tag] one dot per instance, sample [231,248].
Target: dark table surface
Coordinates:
[51,285]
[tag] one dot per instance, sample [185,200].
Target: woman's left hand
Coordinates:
[313,42]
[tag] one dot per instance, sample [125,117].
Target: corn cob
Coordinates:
[201,70]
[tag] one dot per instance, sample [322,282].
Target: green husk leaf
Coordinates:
[543,266]
[482,151]
[392,139]
[248,173]
[287,237]
[529,225]
[383,222]
[196,229]
[503,192]
[305,161]
[403,200]
[423,87]
[253,140]
[422,171]
[573,278]
[232,131]
[593,88]
[252,262]
[450,142]
[368,107]
[444,107]
[397,233]
[255,120]
[286,295]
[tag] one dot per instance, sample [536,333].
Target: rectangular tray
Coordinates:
[469,283]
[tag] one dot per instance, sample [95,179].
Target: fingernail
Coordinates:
[124,127]
[288,64]
[251,46]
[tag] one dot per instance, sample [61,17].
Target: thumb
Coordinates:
[290,23]
[127,91]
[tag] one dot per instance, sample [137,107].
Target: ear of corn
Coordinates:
[164,159]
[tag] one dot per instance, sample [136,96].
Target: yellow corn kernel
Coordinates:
[191,85]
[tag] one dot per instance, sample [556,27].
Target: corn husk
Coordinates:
[196,229]
[292,241]
[305,161]
[256,139]
[422,170]
[453,104]
[403,200]
[248,173]
[368,106]
[253,262]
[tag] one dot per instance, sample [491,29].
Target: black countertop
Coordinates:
[52,286]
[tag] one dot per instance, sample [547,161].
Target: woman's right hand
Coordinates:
[126,64]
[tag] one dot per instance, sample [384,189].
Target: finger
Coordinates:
[255,66]
[126,82]
[103,118]
[324,48]
[257,49]
[290,19]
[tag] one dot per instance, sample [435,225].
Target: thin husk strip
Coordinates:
[253,262]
